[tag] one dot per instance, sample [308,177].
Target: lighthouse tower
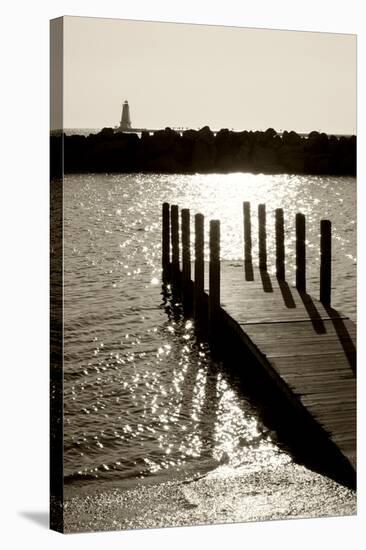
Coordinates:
[125,118]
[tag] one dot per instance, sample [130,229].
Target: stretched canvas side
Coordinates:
[56,276]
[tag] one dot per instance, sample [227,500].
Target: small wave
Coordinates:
[125,469]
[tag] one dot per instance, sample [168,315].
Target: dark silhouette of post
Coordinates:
[325,261]
[280,245]
[247,233]
[248,261]
[186,256]
[300,253]
[166,242]
[262,236]
[175,243]
[199,265]
[214,279]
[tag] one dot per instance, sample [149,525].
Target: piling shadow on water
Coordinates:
[171,303]
[175,312]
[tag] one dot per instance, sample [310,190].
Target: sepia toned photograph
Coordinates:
[202,274]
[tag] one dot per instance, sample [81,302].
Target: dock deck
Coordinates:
[308,347]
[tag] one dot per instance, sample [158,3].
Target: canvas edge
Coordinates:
[56,502]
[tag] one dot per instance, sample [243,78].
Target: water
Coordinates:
[143,399]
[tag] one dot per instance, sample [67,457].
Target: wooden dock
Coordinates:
[307,348]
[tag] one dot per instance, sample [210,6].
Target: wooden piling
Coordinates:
[199,266]
[247,233]
[248,261]
[300,253]
[325,261]
[262,236]
[186,256]
[214,279]
[280,245]
[166,242]
[175,244]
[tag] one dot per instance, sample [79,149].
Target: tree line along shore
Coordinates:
[205,151]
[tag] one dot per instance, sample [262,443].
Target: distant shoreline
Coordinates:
[203,151]
[94,131]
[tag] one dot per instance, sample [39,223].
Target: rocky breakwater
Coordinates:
[168,151]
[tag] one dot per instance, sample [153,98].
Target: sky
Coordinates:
[182,75]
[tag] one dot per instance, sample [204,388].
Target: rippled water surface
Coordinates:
[143,398]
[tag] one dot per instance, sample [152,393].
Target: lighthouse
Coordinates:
[125,118]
